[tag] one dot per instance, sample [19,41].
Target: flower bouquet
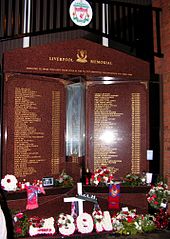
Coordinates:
[64,180]
[9,183]
[157,196]
[97,215]
[21,224]
[133,180]
[161,219]
[40,226]
[102,177]
[146,223]
[129,223]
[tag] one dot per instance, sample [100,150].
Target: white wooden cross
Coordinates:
[74,199]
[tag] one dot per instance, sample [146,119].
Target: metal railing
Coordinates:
[125,23]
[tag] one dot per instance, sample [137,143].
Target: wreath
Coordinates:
[9,183]
[157,196]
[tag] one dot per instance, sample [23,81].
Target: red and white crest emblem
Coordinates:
[80,12]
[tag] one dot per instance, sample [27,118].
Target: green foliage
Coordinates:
[21,224]
[132,180]
[128,229]
[64,180]
[147,223]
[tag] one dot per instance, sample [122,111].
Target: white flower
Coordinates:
[62,218]
[96,182]
[60,180]
[65,176]
[105,179]
[143,180]
[9,183]
[97,215]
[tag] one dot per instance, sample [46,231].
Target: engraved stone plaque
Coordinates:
[117,127]
[34,126]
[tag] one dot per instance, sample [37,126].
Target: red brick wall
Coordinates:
[163,68]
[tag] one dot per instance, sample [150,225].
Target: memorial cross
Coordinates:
[74,199]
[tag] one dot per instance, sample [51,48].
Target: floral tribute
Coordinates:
[66,225]
[134,180]
[21,224]
[64,180]
[84,223]
[161,219]
[157,196]
[124,222]
[39,226]
[102,176]
[9,183]
[97,215]
[102,220]
[127,222]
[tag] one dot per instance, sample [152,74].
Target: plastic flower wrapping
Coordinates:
[157,196]
[102,176]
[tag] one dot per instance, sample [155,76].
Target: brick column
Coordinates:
[163,68]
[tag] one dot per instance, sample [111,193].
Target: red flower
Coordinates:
[111,177]
[129,219]
[18,230]
[19,215]
[149,199]
[98,179]
[156,203]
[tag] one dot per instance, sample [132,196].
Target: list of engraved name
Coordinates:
[26,134]
[106,135]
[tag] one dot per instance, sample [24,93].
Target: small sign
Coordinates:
[80,12]
[149,154]
[148,178]
[125,209]
[48,181]
[87,197]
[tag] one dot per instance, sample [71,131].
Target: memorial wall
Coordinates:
[113,116]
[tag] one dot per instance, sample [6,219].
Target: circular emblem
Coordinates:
[81,12]
[114,191]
